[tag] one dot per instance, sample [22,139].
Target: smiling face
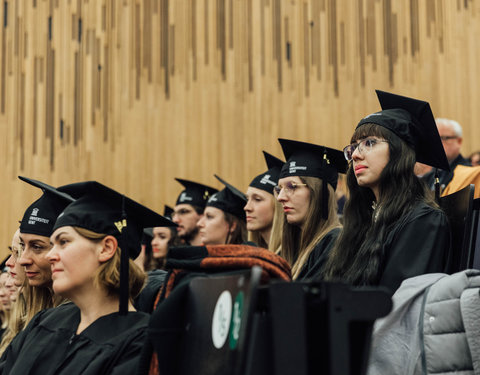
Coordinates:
[259,210]
[295,201]
[368,164]
[214,229]
[74,261]
[33,259]
[161,236]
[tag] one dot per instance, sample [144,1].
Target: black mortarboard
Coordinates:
[411,120]
[229,199]
[168,212]
[269,179]
[103,210]
[39,218]
[147,236]
[310,160]
[195,194]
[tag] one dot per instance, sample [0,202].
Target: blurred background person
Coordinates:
[474,159]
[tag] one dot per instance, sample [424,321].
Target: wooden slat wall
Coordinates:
[136,92]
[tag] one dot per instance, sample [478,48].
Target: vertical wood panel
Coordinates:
[136,92]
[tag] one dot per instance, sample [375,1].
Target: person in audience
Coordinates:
[16,271]
[306,190]
[264,214]
[223,221]
[17,318]
[451,134]
[162,239]
[35,230]
[5,302]
[474,159]
[188,211]
[392,229]
[94,242]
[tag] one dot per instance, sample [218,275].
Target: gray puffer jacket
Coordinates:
[434,328]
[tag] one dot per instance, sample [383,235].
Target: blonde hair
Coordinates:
[16,322]
[107,276]
[298,243]
[275,240]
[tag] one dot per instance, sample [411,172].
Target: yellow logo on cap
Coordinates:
[206,194]
[121,224]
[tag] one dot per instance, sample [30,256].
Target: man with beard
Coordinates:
[189,209]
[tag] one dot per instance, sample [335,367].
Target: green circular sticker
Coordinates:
[236,321]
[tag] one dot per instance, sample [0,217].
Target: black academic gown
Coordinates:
[417,244]
[317,258]
[146,298]
[49,345]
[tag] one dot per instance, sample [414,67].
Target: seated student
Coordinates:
[15,269]
[162,238]
[392,229]
[94,241]
[155,243]
[474,159]
[223,221]
[188,211]
[306,190]
[36,228]
[18,311]
[5,302]
[264,213]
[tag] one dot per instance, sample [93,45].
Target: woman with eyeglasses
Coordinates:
[393,229]
[263,212]
[306,190]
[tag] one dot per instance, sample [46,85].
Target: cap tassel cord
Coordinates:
[124,264]
[437,186]
[325,190]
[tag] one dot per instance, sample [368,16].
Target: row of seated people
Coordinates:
[80,269]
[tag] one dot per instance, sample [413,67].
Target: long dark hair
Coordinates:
[358,252]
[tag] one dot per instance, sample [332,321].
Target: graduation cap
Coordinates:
[147,236]
[168,212]
[39,218]
[310,160]
[229,199]
[103,210]
[269,179]
[411,120]
[195,194]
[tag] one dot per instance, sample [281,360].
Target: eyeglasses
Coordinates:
[364,147]
[289,188]
[447,137]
